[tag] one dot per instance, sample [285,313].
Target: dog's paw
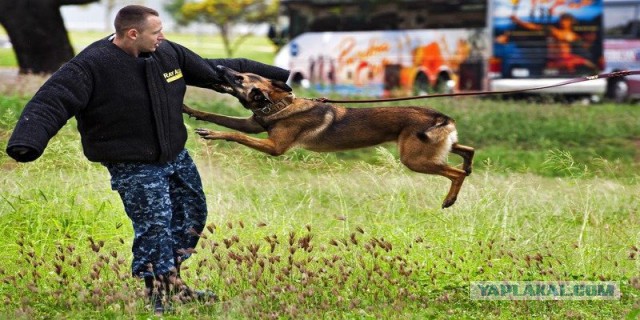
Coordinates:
[208,134]
[202,131]
[448,203]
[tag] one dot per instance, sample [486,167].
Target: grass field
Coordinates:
[553,196]
[350,235]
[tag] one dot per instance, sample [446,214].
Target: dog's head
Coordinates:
[253,91]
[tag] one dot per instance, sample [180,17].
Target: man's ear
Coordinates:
[132,33]
[281,85]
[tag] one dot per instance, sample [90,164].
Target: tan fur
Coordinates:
[424,136]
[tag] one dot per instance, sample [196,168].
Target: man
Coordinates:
[126,92]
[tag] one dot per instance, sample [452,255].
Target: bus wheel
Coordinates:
[443,85]
[421,84]
[618,90]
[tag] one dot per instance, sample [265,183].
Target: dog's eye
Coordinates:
[257,95]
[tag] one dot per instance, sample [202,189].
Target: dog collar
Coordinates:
[275,107]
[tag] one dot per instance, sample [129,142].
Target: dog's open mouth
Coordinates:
[223,88]
[227,81]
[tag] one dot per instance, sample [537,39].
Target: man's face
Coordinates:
[150,37]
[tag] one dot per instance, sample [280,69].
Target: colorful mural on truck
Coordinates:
[547,38]
[380,63]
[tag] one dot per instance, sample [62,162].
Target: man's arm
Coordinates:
[61,96]
[202,72]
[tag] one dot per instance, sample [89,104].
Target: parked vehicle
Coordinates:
[402,47]
[622,47]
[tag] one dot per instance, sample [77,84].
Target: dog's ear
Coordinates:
[281,85]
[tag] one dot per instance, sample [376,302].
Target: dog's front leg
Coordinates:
[246,125]
[274,147]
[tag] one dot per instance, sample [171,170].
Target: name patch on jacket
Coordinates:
[173,75]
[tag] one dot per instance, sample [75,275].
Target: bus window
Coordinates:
[621,21]
[346,15]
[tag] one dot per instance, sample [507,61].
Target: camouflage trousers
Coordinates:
[167,208]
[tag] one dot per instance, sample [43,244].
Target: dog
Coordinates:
[424,136]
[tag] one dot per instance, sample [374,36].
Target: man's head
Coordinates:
[138,29]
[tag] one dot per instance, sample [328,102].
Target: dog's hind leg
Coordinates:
[427,157]
[456,176]
[466,153]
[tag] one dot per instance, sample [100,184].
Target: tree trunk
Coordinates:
[37,33]
[226,41]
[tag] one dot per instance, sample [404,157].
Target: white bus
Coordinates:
[399,47]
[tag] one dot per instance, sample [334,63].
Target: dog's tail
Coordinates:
[444,128]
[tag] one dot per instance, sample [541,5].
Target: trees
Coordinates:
[109,5]
[37,33]
[225,14]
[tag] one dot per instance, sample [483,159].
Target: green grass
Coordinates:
[7,58]
[553,196]
[522,137]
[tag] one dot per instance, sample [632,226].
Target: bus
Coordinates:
[622,47]
[392,48]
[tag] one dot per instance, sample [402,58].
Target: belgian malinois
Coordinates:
[424,136]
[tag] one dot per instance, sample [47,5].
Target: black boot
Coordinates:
[185,293]
[154,292]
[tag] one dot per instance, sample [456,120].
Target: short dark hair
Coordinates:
[132,17]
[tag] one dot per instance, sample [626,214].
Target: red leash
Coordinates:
[616,74]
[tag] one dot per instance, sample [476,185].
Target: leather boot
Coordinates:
[185,293]
[154,292]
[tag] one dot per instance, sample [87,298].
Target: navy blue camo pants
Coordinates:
[167,208]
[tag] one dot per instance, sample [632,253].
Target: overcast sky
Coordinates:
[93,16]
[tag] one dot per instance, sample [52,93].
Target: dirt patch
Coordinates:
[20,84]
[9,165]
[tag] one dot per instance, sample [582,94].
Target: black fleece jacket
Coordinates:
[128,109]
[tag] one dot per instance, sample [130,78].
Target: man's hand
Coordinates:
[218,76]
[21,150]
[23,153]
